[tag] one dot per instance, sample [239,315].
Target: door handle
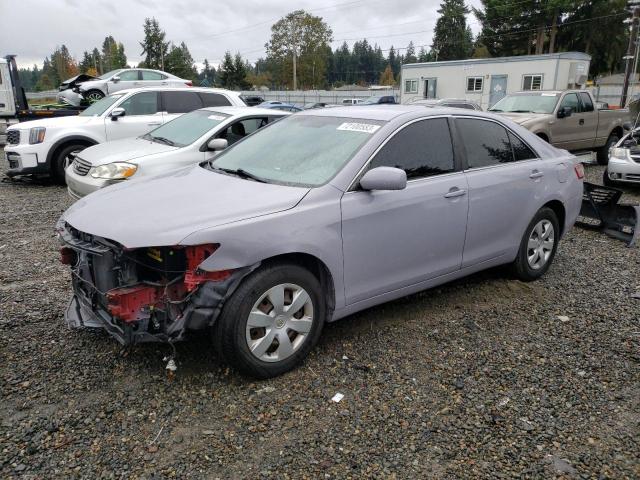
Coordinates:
[154,123]
[581,121]
[455,192]
[536,174]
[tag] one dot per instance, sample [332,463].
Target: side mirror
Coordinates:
[115,79]
[384,178]
[627,126]
[217,144]
[117,112]
[564,112]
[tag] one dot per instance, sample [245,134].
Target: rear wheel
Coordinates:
[603,152]
[272,321]
[538,246]
[63,159]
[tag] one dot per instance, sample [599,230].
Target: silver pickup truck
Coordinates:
[567,119]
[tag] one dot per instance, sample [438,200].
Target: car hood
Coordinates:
[73,81]
[60,122]
[125,150]
[522,118]
[163,210]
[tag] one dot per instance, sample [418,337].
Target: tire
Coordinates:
[253,349]
[603,152]
[62,160]
[93,95]
[523,267]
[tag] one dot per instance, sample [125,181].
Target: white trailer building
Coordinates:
[487,80]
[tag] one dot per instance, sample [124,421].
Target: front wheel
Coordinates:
[603,153]
[94,95]
[538,246]
[63,159]
[272,321]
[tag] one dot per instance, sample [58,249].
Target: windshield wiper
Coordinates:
[241,173]
[166,141]
[495,110]
[519,111]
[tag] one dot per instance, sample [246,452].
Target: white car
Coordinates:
[624,161]
[192,138]
[125,78]
[352,101]
[48,146]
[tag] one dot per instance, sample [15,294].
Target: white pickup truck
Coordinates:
[567,119]
[49,146]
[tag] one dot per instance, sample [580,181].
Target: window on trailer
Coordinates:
[411,86]
[474,84]
[532,82]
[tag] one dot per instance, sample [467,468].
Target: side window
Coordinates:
[128,76]
[587,103]
[149,75]
[421,149]
[520,149]
[571,100]
[214,100]
[143,103]
[240,129]
[486,143]
[181,102]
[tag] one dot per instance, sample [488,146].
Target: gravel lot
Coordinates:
[479,378]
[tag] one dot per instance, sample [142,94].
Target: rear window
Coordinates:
[214,100]
[181,102]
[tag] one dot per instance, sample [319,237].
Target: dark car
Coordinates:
[380,100]
[252,100]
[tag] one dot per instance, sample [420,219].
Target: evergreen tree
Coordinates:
[207,77]
[452,38]
[179,62]
[394,61]
[154,47]
[410,54]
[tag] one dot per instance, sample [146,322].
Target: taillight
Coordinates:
[189,83]
[579,169]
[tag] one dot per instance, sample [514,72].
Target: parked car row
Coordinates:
[259,226]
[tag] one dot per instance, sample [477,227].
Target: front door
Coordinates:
[498,88]
[430,85]
[128,79]
[395,239]
[571,132]
[505,181]
[141,116]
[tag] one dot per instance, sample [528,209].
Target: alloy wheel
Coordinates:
[540,244]
[279,322]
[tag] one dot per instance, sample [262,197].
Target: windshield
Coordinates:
[106,76]
[534,103]
[298,150]
[98,108]
[187,128]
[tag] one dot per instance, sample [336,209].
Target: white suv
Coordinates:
[48,146]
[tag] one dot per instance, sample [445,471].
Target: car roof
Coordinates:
[241,111]
[529,92]
[174,89]
[373,112]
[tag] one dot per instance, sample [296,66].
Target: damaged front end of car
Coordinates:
[151,294]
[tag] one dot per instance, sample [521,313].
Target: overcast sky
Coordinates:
[33,28]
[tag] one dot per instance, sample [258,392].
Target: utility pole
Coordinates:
[295,77]
[634,7]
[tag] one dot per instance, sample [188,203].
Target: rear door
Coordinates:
[153,79]
[178,102]
[395,239]
[505,180]
[142,114]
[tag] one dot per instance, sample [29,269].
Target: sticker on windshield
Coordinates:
[215,117]
[359,127]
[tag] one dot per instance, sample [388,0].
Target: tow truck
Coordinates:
[14,106]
